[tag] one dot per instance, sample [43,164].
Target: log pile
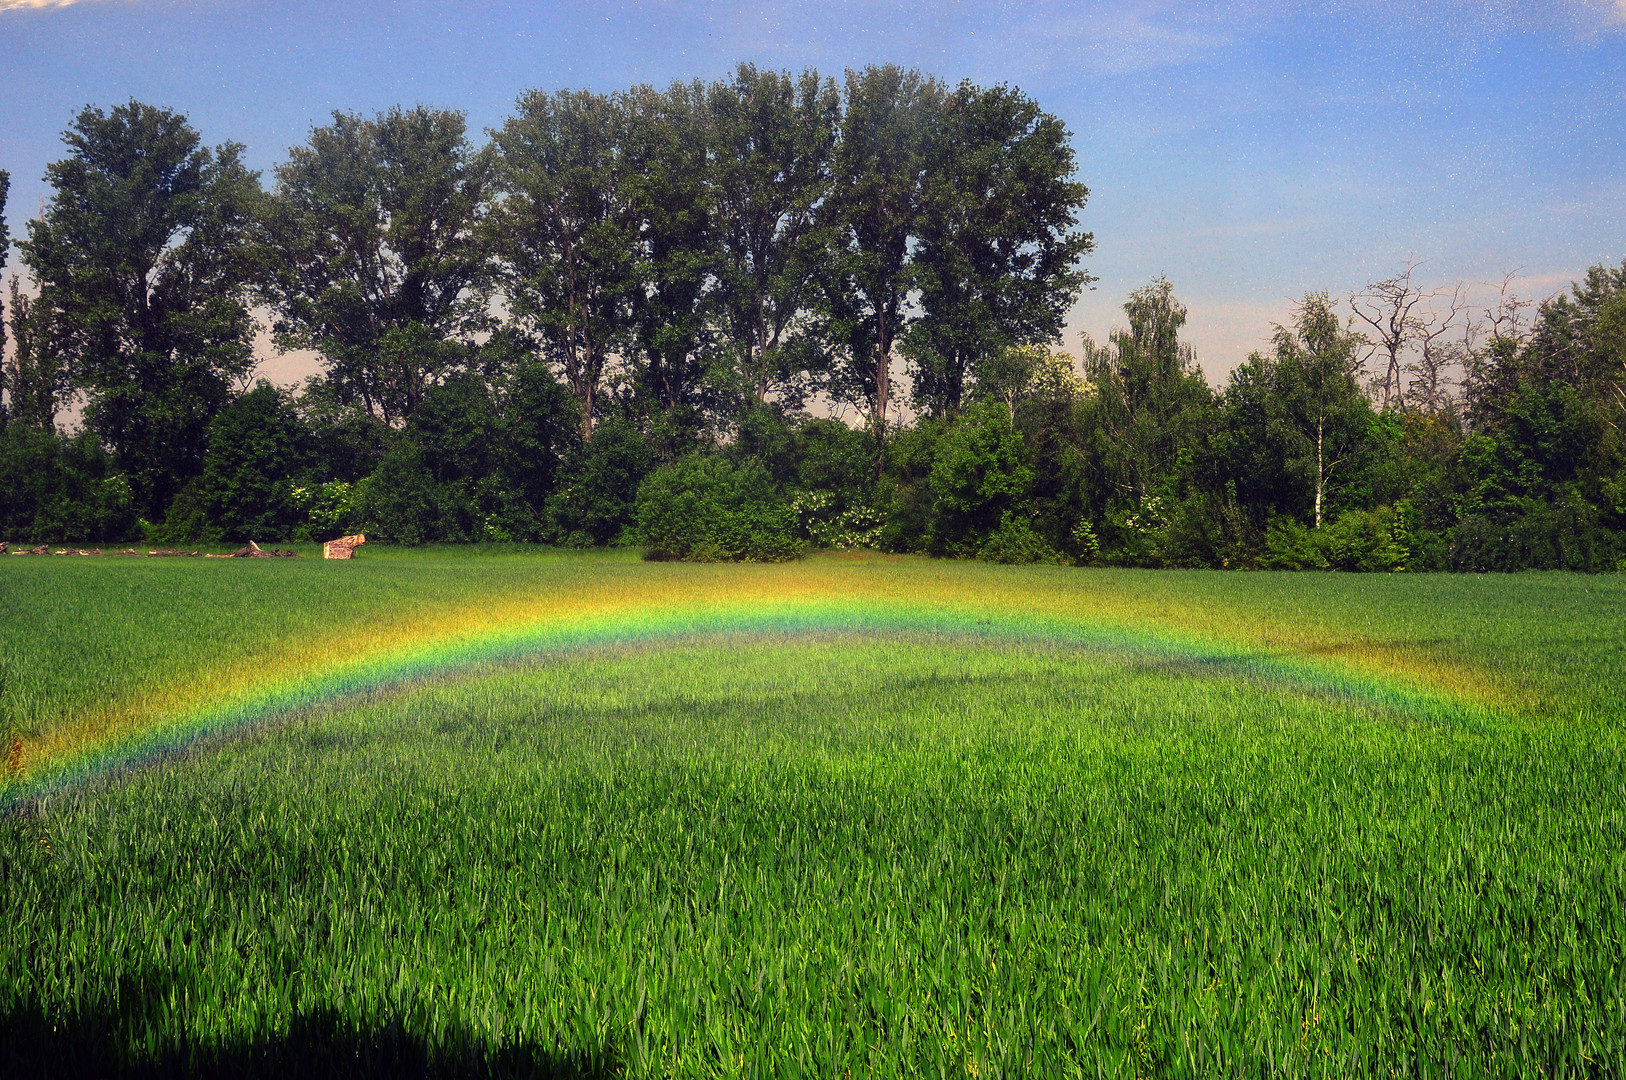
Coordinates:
[252,551]
[344,547]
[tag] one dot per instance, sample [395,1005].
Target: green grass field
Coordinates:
[1096,823]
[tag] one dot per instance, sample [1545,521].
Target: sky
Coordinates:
[1250,151]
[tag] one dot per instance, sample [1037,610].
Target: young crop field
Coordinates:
[526,813]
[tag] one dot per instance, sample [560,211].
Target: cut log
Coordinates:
[4,544]
[344,547]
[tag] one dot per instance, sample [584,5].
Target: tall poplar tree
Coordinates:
[33,375]
[378,260]
[566,234]
[5,250]
[997,260]
[773,137]
[667,151]
[887,129]
[143,263]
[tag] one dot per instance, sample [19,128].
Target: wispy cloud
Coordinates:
[15,5]
[1574,18]
[1120,38]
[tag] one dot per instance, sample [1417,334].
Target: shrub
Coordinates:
[403,503]
[59,488]
[598,500]
[1371,541]
[979,479]
[257,446]
[827,526]
[702,509]
[1016,542]
[329,510]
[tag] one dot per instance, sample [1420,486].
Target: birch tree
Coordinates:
[1324,412]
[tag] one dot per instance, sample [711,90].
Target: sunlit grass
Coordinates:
[986,849]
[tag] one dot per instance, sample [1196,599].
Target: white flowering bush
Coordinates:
[853,529]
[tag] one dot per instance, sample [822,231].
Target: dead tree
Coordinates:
[1429,390]
[1490,368]
[1386,306]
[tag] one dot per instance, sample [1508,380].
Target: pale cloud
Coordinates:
[42,5]
[1125,37]
[1120,37]
[1572,18]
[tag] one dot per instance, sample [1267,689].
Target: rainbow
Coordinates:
[479,636]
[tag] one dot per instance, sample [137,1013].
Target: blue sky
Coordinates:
[1251,151]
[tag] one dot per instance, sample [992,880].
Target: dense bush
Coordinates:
[979,479]
[259,451]
[597,498]
[55,488]
[1016,542]
[704,509]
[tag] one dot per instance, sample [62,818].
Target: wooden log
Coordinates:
[344,547]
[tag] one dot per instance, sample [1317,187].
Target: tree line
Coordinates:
[634,318]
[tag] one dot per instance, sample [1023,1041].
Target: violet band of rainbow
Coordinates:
[416,662]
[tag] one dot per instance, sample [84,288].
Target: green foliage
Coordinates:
[32,376]
[403,503]
[979,479]
[514,336]
[143,264]
[858,527]
[1151,402]
[1016,542]
[56,488]
[565,233]
[596,501]
[375,256]
[701,508]
[258,450]
[998,252]
[477,462]
[773,136]
[329,510]
[1375,541]
[872,211]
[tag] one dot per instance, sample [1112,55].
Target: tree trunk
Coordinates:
[587,412]
[762,348]
[1320,474]
[882,371]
